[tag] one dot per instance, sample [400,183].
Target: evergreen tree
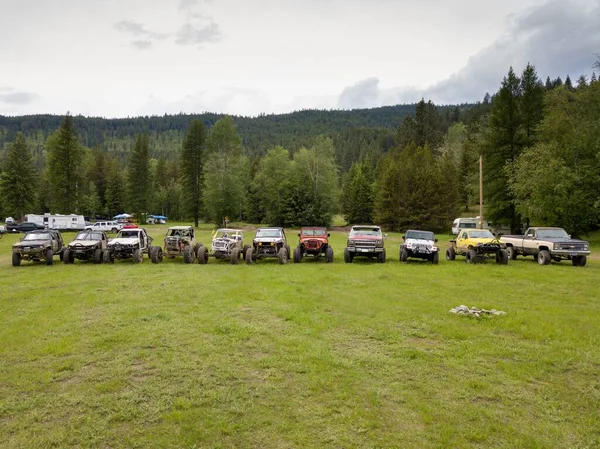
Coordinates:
[97,174]
[18,179]
[504,145]
[271,184]
[581,82]
[593,78]
[549,84]
[139,177]
[192,156]
[92,204]
[568,83]
[115,191]
[557,82]
[358,202]
[65,156]
[531,103]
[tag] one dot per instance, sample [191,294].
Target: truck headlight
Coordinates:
[379,243]
[351,243]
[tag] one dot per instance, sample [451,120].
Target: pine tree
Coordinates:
[115,191]
[557,82]
[568,83]
[593,78]
[581,82]
[91,203]
[139,177]
[549,84]
[531,104]
[192,159]
[504,145]
[358,196]
[65,157]
[18,179]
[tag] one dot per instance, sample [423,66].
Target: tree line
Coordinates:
[539,143]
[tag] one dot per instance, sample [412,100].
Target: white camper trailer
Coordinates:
[61,222]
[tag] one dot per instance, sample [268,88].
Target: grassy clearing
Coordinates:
[309,355]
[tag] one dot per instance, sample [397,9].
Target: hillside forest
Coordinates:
[399,166]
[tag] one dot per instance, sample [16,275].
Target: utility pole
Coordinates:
[480,192]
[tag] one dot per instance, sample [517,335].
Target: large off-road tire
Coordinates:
[471,256]
[289,250]
[544,257]
[49,256]
[450,254]
[435,258]
[297,255]
[244,251]
[250,256]
[202,255]
[98,255]
[106,256]
[403,254]
[234,257]
[512,253]
[114,230]
[188,255]
[347,256]
[67,256]
[61,254]
[282,256]
[138,256]
[381,256]
[579,261]
[329,255]
[502,257]
[16,259]
[155,254]
[111,256]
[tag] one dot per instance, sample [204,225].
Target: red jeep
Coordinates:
[313,241]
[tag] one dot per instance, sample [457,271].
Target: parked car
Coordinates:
[546,244]
[178,241]
[87,245]
[106,226]
[314,241]
[2,230]
[367,241]
[420,245]
[39,245]
[26,226]
[477,245]
[268,242]
[130,243]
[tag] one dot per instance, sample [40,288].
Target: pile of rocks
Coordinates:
[474,311]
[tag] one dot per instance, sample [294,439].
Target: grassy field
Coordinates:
[301,355]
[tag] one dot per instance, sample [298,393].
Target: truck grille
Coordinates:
[572,246]
[365,243]
[312,244]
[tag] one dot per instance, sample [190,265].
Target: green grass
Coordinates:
[308,355]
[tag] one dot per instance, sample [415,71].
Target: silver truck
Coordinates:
[546,244]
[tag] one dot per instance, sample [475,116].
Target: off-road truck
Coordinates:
[38,246]
[226,244]
[420,245]
[477,245]
[130,243]
[314,241]
[365,241]
[87,245]
[546,244]
[268,242]
[178,241]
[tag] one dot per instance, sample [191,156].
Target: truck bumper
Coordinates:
[365,251]
[568,253]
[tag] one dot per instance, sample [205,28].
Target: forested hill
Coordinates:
[258,134]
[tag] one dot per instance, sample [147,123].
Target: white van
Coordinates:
[467,223]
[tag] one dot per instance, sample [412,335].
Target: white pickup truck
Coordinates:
[546,244]
[106,226]
[130,243]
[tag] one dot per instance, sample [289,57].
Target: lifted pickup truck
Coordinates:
[546,244]
[130,243]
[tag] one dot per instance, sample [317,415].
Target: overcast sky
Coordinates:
[119,58]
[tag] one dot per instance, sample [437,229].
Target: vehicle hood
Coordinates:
[268,240]
[482,240]
[419,242]
[83,243]
[32,243]
[365,237]
[560,240]
[124,241]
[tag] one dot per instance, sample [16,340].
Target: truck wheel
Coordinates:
[512,253]
[289,251]
[98,255]
[329,255]
[66,256]
[105,256]
[114,230]
[403,254]
[502,257]
[450,254]
[249,256]
[137,256]
[436,258]
[244,251]
[49,256]
[381,256]
[111,256]
[282,255]
[234,257]
[202,255]
[16,259]
[297,255]
[188,256]
[579,261]
[543,257]
[471,256]
[155,254]
[347,256]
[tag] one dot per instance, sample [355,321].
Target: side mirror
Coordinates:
[499,235]
[404,237]
[328,234]
[436,240]
[569,235]
[385,236]
[298,234]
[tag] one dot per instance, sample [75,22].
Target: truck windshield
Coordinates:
[366,231]
[37,236]
[313,232]
[89,236]
[422,235]
[268,233]
[552,233]
[482,234]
